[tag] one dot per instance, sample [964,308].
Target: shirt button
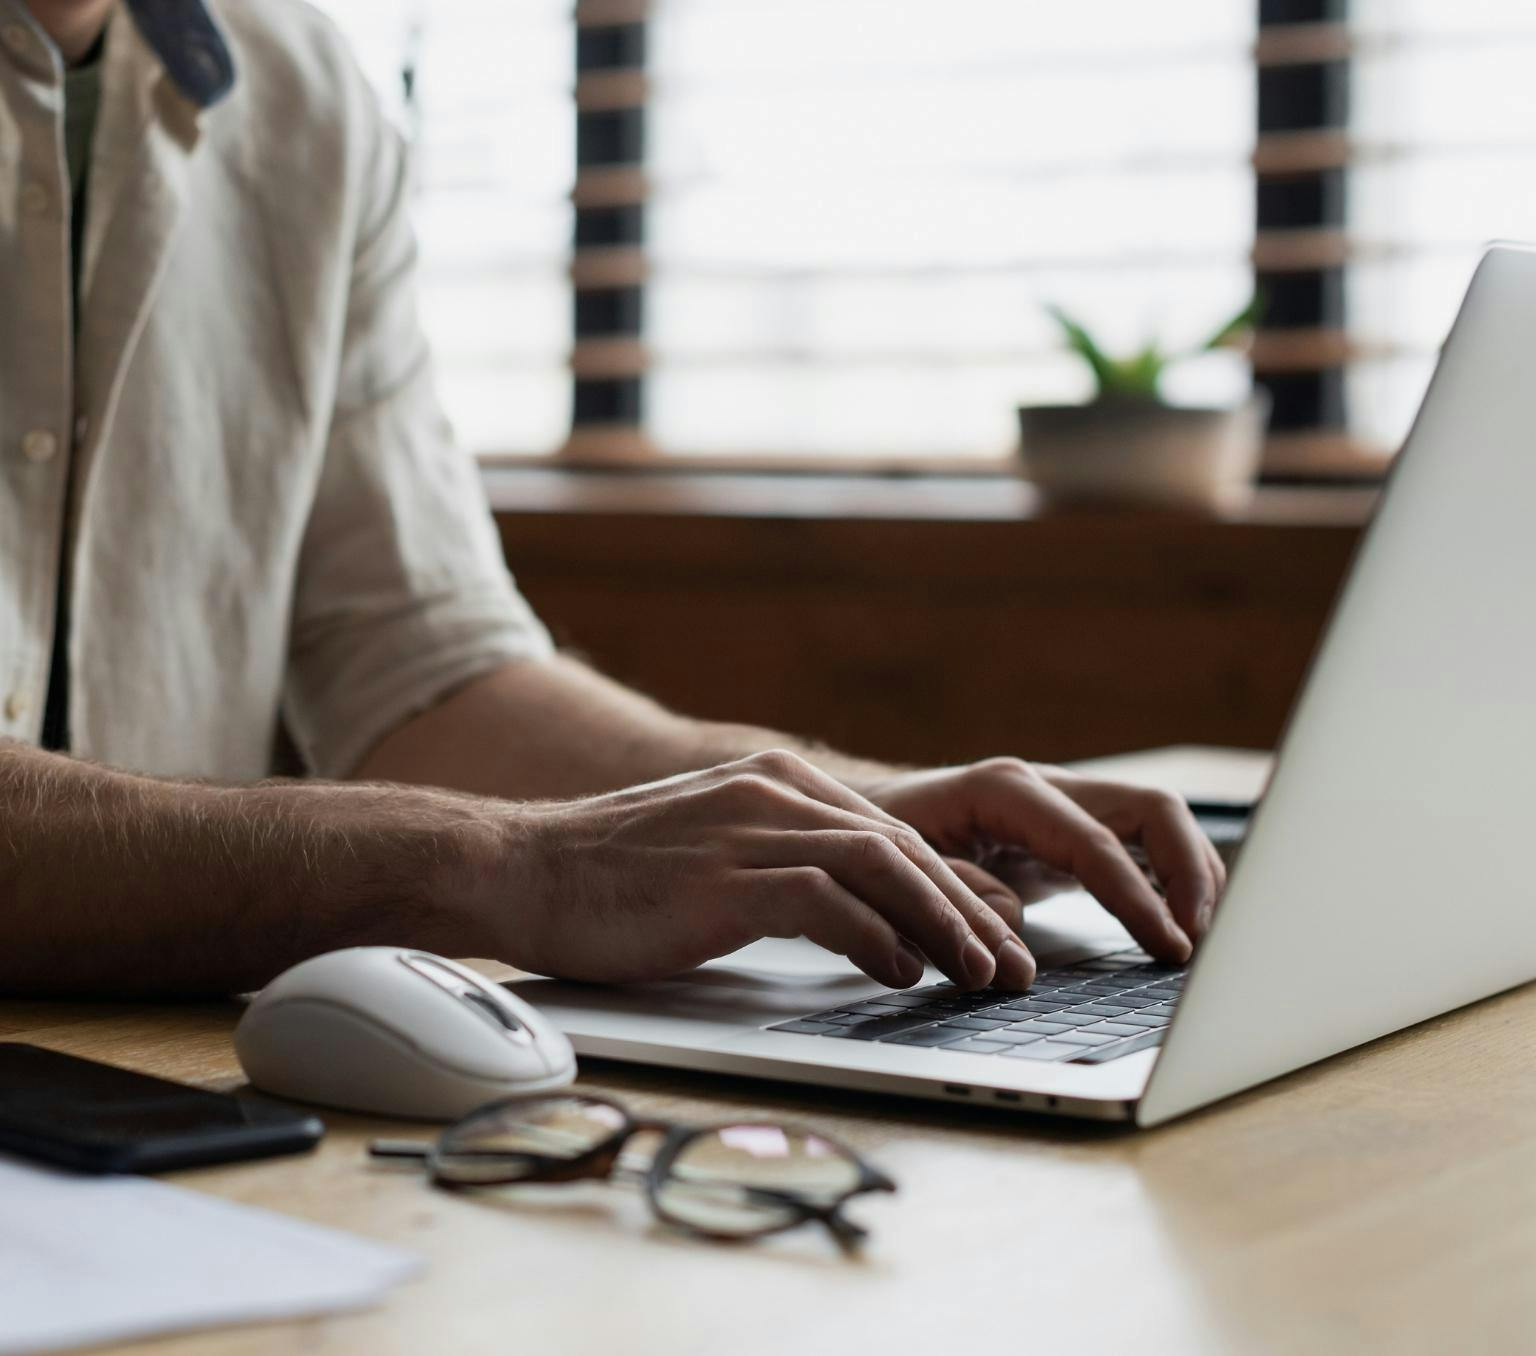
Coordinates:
[39,445]
[34,199]
[16,706]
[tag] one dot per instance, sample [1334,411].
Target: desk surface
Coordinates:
[1385,1200]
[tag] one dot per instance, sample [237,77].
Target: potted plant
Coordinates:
[1129,445]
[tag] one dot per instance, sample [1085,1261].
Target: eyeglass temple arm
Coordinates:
[399,1148]
[846,1232]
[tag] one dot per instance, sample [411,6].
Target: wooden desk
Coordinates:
[1383,1201]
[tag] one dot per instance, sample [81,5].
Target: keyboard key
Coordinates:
[1075,995]
[925,1035]
[1020,1035]
[976,1023]
[1141,1020]
[1162,991]
[1165,1011]
[872,1009]
[899,1000]
[805,1028]
[1074,1018]
[1105,1009]
[837,1018]
[978,1047]
[1086,1037]
[1052,1051]
[876,1028]
[1114,1028]
[1042,1027]
[1037,1005]
[1145,1041]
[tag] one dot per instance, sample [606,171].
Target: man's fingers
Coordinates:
[1024,808]
[971,950]
[1173,844]
[1177,849]
[804,901]
[990,890]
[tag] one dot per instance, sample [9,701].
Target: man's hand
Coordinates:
[1035,828]
[651,881]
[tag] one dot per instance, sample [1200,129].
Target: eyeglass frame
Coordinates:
[600,1162]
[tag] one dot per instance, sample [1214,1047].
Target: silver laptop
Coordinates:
[1386,878]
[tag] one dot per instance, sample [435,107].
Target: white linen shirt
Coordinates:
[272,527]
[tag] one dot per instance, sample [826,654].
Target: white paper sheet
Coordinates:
[96,1259]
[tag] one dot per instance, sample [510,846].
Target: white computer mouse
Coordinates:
[398,1032]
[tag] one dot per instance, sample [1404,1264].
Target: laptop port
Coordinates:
[955,1090]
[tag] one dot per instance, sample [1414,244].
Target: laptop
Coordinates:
[1385,877]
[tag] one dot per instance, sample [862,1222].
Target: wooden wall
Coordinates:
[946,634]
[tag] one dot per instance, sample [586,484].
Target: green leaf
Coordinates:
[1245,319]
[1138,375]
[1083,344]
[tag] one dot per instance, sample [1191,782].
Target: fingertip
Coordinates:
[909,964]
[1179,944]
[1015,966]
[977,963]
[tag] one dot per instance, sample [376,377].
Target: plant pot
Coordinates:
[1140,452]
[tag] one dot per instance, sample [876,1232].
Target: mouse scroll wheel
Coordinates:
[491,1009]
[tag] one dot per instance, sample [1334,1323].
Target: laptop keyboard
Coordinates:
[1089,1012]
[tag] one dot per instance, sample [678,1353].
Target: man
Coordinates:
[231,514]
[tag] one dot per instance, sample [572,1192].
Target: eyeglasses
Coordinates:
[740,1180]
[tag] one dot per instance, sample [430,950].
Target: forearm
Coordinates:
[118,884]
[556,728]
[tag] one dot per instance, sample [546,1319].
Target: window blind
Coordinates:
[1442,159]
[814,232]
[854,214]
[483,89]
[1397,137]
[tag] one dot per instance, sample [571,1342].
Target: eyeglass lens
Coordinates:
[505,1142]
[741,1179]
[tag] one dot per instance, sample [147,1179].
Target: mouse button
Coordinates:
[494,1011]
[470,991]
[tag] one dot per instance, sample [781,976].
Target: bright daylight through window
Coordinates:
[855,213]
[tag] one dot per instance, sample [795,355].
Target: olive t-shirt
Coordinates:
[82,94]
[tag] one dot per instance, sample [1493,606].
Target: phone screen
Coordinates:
[105,1119]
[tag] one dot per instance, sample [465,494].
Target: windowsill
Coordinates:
[687,492]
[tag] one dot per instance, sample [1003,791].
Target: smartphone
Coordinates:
[99,1118]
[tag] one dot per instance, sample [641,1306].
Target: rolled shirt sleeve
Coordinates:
[402,593]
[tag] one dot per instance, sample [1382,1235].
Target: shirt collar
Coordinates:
[183,34]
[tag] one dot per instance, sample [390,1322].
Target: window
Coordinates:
[483,88]
[1444,160]
[858,211]
[813,232]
